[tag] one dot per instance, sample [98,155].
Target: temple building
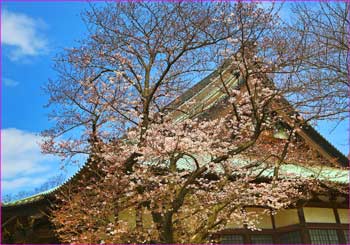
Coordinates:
[324,219]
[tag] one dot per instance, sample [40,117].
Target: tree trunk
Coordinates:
[166,233]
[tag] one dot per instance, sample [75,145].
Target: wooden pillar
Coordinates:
[305,235]
[246,239]
[340,233]
[275,237]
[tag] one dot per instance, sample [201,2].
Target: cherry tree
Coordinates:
[319,71]
[154,178]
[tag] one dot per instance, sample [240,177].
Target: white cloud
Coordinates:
[22,162]
[8,185]
[23,34]
[9,82]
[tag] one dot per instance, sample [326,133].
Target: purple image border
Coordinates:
[348,58]
[1,120]
[37,1]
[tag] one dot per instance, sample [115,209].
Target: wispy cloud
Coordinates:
[8,185]
[9,82]
[23,34]
[22,162]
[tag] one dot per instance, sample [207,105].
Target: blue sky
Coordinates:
[32,33]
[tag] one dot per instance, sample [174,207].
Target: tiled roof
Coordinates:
[44,194]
